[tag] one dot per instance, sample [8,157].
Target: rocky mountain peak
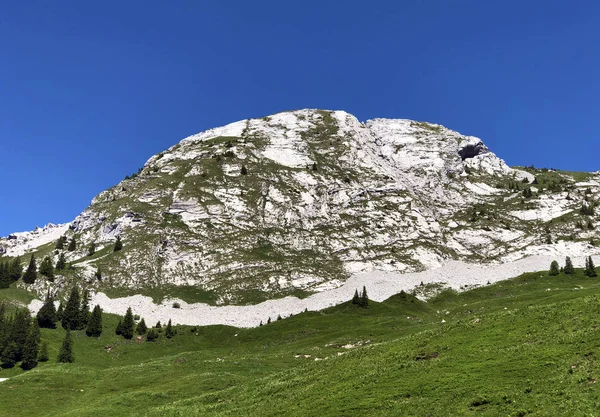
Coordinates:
[298,201]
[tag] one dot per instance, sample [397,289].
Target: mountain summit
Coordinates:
[296,202]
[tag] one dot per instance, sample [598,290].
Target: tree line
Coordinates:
[568,269]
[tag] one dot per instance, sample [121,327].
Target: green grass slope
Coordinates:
[527,346]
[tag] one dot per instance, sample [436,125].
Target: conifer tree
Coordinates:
[61,263]
[569,266]
[590,268]
[158,325]
[364,298]
[141,327]
[60,243]
[5,280]
[170,332]
[46,316]
[71,314]
[92,249]
[65,354]
[31,273]
[44,357]
[60,311]
[128,324]
[356,298]
[21,326]
[94,326]
[84,312]
[119,328]
[118,244]
[72,244]
[9,355]
[554,269]
[15,269]
[244,170]
[47,269]
[30,350]
[98,274]
[152,335]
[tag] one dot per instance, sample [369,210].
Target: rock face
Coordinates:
[323,196]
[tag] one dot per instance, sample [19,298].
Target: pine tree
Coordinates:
[128,324]
[84,312]
[356,298]
[141,327]
[158,325]
[46,316]
[47,269]
[30,351]
[21,326]
[9,355]
[364,298]
[72,244]
[15,269]
[119,328]
[94,326]
[98,274]
[244,170]
[92,249]
[71,314]
[60,312]
[169,332]
[31,273]
[65,354]
[5,280]
[118,244]
[61,264]
[590,269]
[44,357]
[554,269]
[569,266]
[60,243]
[152,335]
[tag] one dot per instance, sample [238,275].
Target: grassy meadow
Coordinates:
[522,347]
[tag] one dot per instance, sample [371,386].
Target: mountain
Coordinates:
[297,202]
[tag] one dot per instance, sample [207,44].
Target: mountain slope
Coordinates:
[298,201]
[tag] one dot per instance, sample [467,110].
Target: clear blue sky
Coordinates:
[90,90]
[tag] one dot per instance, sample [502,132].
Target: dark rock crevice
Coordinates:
[471,151]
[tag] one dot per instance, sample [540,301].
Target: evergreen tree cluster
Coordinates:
[47,268]
[590,268]
[76,312]
[126,327]
[60,243]
[361,300]
[527,193]
[10,271]
[19,339]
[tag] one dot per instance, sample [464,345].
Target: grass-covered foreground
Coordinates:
[529,346]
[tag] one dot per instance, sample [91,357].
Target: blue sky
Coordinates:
[90,90]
